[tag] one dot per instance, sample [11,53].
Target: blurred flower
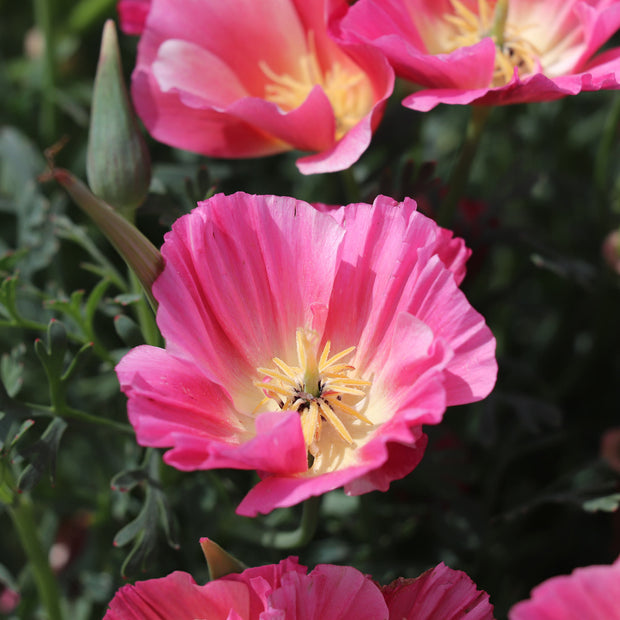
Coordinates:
[132,15]
[308,344]
[491,53]
[9,599]
[284,590]
[590,592]
[610,448]
[247,79]
[611,250]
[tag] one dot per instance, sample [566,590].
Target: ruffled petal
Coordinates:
[438,594]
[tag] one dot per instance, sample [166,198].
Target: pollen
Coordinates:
[513,48]
[320,388]
[346,89]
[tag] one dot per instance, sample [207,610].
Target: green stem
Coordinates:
[144,313]
[47,116]
[460,173]
[23,519]
[300,536]
[64,411]
[351,188]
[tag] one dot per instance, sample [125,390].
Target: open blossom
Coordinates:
[490,52]
[590,592]
[285,591]
[246,79]
[309,344]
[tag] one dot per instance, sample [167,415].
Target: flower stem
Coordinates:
[145,313]
[351,188]
[47,117]
[300,536]
[460,173]
[23,518]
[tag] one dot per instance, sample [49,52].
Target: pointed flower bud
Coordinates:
[118,162]
[137,251]
[220,562]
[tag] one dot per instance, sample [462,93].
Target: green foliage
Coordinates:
[504,483]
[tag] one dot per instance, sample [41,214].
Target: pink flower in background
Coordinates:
[246,79]
[463,51]
[132,15]
[286,591]
[308,344]
[590,592]
[440,593]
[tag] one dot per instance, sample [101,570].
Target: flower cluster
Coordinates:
[310,344]
[315,75]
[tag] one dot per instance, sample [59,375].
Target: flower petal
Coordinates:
[438,594]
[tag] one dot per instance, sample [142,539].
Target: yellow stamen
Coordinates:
[347,90]
[513,50]
[315,389]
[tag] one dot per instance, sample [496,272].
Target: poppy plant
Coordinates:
[246,79]
[309,344]
[491,52]
[590,592]
[286,590]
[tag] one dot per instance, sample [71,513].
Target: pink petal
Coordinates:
[178,597]
[132,15]
[334,592]
[590,592]
[241,311]
[438,594]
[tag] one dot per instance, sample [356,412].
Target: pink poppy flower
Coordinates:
[246,79]
[271,592]
[308,344]
[286,591]
[440,593]
[464,51]
[590,592]
[132,15]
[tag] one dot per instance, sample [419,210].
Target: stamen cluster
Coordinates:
[317,389]
[513,50]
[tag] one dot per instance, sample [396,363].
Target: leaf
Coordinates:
[20,164]
[11,369]
[42,456]
[608,503]
[128,331]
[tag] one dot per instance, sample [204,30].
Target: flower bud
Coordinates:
[220,562]
[137,251]
[118,162]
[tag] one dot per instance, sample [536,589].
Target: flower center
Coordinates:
[320,388]
[513,49]
[347,90]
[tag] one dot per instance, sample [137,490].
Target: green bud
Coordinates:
[220,562]
[138,252]
[118,163]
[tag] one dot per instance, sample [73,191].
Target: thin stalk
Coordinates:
[460,173]
[351,188]
[47,115]
[23,519]
[300,536]
[64,411]
[145,313]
